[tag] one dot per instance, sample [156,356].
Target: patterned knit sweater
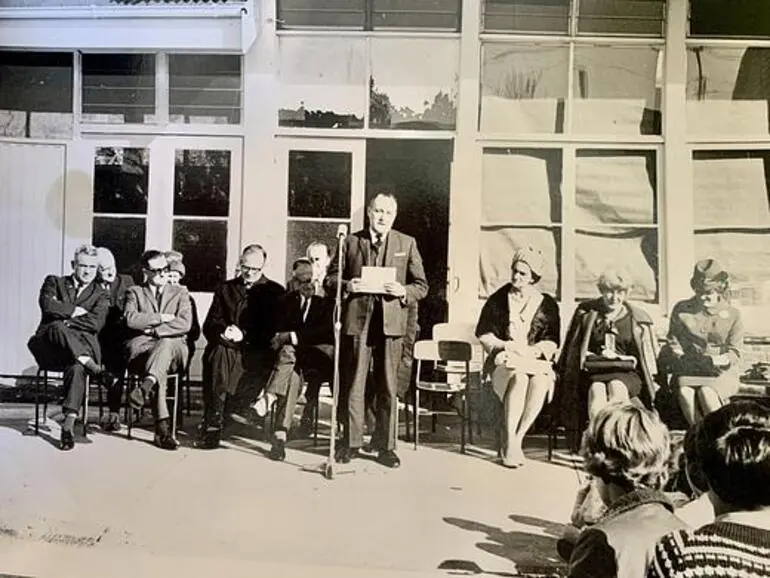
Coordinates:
[721,549]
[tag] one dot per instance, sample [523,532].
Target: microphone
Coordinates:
[342,231]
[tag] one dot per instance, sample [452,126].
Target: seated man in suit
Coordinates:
[303,341]
[73,309]
[113,334]
[238,359]
[159,317]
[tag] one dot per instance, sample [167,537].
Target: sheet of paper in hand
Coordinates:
[374,278]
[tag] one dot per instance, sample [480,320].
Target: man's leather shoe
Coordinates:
[111,423]
[163,438]
[388,458]
[67,441]
[136,398]
[344,454]
[277,451]
[209,438]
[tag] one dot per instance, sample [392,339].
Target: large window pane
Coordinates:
[523,88]
[322,82]
[746,256]
[205,88]
[321,13]
[124,236]
[636,250]
[431,14]
[729,18]
[621,17]
[521,186]
[36,94]
[118,88]
[728,90]
[301,233]
[544,16]
[617,90]
[320,184]
[498,245]
[202,182]
[615,187]
[414,84]
[121,178]
[730,188]
[204,246]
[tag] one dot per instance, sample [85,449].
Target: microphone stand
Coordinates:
[328,468]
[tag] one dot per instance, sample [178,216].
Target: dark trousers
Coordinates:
[232,377]
[56,347]
[383,353]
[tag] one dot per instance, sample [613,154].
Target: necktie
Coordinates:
[305,307]
[158,295]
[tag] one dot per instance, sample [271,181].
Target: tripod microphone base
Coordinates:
[328,469]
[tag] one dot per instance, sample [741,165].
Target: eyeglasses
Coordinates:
[250,269]
[157,271]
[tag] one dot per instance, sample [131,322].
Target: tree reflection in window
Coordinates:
[202,183]
[204,246]
[319,184]
[120,180]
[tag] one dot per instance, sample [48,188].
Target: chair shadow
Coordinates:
[532,553]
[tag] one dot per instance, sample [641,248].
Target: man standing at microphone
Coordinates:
[373,324]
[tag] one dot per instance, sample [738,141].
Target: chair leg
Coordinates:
[86,399]
[466,420]
[129,410]
[175,404]
[416,417]
[316,417]
[188,394]
[468,414]
[45,396]
[37,402]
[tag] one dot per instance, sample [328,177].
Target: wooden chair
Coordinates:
[442,352]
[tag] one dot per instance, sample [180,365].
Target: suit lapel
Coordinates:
[390,248]
[69,288]
[150,298]
[365,248]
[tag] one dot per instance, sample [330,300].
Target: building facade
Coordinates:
[630,133]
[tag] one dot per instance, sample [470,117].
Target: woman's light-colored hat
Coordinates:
[532,257]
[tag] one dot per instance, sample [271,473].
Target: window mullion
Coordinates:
[568,235]
[162,84]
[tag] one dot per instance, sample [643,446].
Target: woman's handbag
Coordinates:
[595,364]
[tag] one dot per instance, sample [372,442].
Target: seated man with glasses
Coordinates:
[238,359]
[159,316]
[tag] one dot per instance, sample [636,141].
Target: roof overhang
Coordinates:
[203,28]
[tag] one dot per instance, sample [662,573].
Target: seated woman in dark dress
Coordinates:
[609,353]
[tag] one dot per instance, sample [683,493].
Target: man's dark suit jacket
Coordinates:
[400,252]
[58,300]
[115,333]
[316,329]
[254,312]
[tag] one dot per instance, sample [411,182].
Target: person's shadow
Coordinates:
[532,553]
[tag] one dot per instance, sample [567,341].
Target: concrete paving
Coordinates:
[129,508]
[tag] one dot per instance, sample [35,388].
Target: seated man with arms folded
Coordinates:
[73,309]
[303,341]
[159,315]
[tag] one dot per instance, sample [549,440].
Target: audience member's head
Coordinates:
[318,253]
[106,270]
[85,264]
[382,211]
[155,268]
[614,286]
[693,470]
[733,445]
[302,276]
[527,266]
[628,448]
[251,263]
[176,268]
[710,282]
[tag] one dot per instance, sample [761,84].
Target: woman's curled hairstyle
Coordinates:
[734,446]
[629,446]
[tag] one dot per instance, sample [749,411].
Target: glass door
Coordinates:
[322,187]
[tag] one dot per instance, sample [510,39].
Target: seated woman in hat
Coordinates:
[176,272]
[704,344]
[519,331]
[609,351]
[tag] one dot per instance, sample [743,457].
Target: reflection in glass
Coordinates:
[121,177]
[414,83]
[746,255]
[124,236]
[322,82]
[728,90]
[205,88]
[321,13]
[204,246]
[430,14]
[498,245]
[544,16]
[118,88]
[621,17]
[731,188]
[523,88]
[319,184]
[615,187]
[521,186]
[618,90]
[634,249]
[202,182]
[729,18]
[301,233]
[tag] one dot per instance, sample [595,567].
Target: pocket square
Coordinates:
[399,254]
